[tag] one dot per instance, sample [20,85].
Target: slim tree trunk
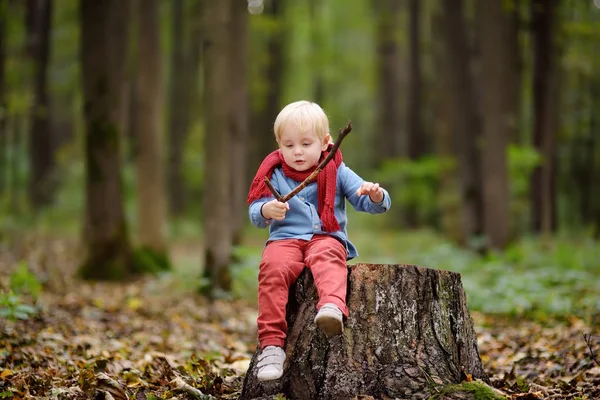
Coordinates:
[466,119]
[3,112]
[545,102]
[151,200]
[239,130]
[595,157]
[415,132]
[183,97]
[449,201]
[390,79]
[264,112]
[217,180]
[416,136]
[41,146]
[103,69]
[499,117]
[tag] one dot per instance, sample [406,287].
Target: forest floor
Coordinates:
[149,339]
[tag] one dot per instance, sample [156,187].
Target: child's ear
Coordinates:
[326,142]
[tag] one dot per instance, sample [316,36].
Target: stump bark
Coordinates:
[409,332]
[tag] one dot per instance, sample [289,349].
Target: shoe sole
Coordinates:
[263,379]
[330,326]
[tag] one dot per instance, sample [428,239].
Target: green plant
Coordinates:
[22,281]
[414,184]
[12,307]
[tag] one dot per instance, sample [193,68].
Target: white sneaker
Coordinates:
[270,363]
[330,319]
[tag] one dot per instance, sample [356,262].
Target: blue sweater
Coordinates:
[302,220]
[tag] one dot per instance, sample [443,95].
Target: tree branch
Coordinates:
[342,134]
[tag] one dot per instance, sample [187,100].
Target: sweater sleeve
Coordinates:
[350,182]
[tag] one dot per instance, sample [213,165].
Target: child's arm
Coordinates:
[255,212]
[364,196]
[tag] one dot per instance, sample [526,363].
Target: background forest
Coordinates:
[130,130]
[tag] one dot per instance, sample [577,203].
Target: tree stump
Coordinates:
[409,331]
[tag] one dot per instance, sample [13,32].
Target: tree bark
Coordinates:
[103,68]
[409,330]
[390,85]
[3,111]
[41,144]
[466,125]
[265,110]
[544,16]
[217,180]
[240,127]
[499,117]
[151,200]
[184,94]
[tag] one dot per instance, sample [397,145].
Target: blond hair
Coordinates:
[304,115]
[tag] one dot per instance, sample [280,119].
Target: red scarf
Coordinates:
[326,184]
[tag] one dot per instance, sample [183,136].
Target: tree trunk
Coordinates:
[408,331]
[151,201]
[41,146]
[239,130]
[499,117]
[183,97]
[449,201]
[103,69]
[544,16]
[3,113]
[217,139]
[265,110]
[416,136]
[466,121]
[415,132]
[390,128]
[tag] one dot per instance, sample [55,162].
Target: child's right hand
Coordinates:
[275,210]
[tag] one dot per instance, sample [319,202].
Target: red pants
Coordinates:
[282,262]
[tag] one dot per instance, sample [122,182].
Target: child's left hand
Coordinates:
[373,190]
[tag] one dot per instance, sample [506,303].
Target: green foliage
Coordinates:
[414,184]
[148,260]
[245,273]
[6,394]
[522,160]
[536,277]
[13,308]
[22,283]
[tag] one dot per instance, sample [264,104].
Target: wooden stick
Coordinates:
[342,134]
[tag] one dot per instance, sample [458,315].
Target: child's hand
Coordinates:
[275,210]
[373,190]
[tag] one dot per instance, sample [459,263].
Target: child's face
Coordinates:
[301,149]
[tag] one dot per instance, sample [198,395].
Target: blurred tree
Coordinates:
[186,43]
[415,131]
[389,127]
[546,92]
[239,119]
[417,142]
[41,144]
[103,67]
[449,200]
[3,105]
[218,136]
[499,116]
[151,194]
[264,108]
[464,117]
